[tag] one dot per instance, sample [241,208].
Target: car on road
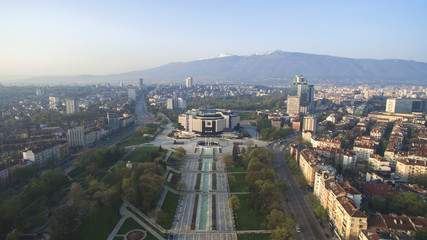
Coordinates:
[170,236]
[298,229]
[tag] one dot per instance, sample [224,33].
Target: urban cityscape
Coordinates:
[325,141]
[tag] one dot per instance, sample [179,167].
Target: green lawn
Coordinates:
[247,115]
[235,169]
[131,224]
[240,184]
[128,225]
[253,236]
[143,154]
[76,172]
[214,181]
[134,140]
[169,207]
[98,225]
[245,219]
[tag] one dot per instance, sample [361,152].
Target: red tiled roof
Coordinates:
[379,188]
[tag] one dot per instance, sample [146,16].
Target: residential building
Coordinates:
[378,163]
[113,121]
[308,162]
[364,150]
[349,220]
[76,136]
[406,169]
[310,123]
[72,106]
[323,142]
[54,102]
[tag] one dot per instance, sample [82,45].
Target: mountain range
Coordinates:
[275,68]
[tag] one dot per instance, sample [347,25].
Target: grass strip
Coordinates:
[261,236]
[214,181]
[197,186]
[193,221]
[213,212]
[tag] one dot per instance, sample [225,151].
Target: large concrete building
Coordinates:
[300,97]
[176,103]
[405,105]
[208,122]
[71,106]
[113,121]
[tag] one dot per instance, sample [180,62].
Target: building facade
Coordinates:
[72,106]
[208,121]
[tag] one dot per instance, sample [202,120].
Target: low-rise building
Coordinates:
[363,151]
[308,162]
[407,169]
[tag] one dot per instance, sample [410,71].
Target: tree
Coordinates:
[228,159]
[320,212]
[63,222]
[180,185]
[180,152]
[13,235]
[420,235]
[280,233]
[234,203]
[235,153]
[76,194]
[275,219]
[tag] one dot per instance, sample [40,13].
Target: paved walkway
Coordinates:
[128,214]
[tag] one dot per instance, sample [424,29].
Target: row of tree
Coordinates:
[403,203]
[273,101]
[270,133]
[267,192]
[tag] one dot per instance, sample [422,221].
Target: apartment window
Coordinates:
[360,226]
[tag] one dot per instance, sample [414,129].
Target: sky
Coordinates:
[108,37]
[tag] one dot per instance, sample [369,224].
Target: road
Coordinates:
[143,116]
[309,225]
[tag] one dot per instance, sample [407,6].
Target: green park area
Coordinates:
[142,135]
[253,236]
[131,224]
[169,207]
[98,225]
[246,220]
[237,182]
[147,154]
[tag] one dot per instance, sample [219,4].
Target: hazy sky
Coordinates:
[103,37]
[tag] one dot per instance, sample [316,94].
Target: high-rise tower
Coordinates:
[301,96]
[189,82]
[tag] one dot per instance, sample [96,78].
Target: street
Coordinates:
[309,225]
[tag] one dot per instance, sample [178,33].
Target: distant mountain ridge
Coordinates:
[276,68]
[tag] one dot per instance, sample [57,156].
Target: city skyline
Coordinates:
[92,38]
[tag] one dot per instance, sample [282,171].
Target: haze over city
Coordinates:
[107,37]
[207,120]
